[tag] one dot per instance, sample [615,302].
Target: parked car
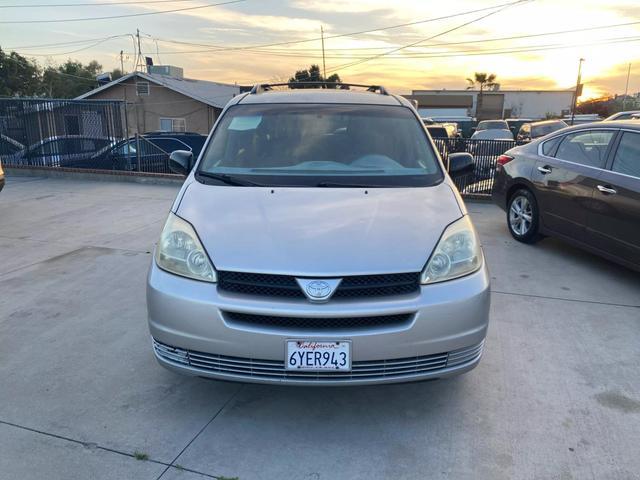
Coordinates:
[440,136]
[61,151]
[306,248]
[492,134]
[581,184]
[155,148]
[492,125]
[628,115]
[531,131]
[515,124]
[581,119]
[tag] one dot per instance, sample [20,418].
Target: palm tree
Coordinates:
[483,80]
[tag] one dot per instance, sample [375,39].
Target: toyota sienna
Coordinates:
[318,240]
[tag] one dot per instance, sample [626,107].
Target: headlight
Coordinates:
[457,254]
[180,251]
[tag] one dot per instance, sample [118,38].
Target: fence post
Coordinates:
[138,157]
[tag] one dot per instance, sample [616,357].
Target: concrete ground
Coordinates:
[556,396]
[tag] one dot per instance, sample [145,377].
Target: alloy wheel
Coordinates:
[520,215]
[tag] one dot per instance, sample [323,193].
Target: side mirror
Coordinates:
[460,164]
[180,161]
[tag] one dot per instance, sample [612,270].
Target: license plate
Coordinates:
[314,356]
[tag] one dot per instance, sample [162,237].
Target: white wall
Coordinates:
[524,104]
[536,105]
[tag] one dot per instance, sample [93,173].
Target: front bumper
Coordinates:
[192,335]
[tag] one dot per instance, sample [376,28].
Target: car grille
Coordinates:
[358,286]
[274,369]
[319,323]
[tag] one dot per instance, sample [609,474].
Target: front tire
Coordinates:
[523,217]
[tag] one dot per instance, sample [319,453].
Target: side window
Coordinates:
[586,147]
[627,158]
[549,146]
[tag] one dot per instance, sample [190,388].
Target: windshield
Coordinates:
[547,128]
[311,144]
[493,125]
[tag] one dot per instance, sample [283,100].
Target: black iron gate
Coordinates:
[58,133]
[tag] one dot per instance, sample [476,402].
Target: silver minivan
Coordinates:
[319,240]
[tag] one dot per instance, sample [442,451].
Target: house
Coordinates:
[163,100]
[533,104]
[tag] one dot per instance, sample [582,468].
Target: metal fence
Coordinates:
[92,135]
[58,133]
[485,153]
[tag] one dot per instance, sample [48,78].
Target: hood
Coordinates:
[319,231]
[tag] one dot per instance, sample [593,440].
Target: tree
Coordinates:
[312,74]
[482,80]
[19,76]
[71,79]
[116,73]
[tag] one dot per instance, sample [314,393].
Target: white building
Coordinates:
[532,104]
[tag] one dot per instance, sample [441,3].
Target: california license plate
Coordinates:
[314,356]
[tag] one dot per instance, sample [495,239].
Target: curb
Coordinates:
[95,175]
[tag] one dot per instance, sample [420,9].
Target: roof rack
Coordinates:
[265,87]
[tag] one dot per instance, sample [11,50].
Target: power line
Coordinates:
[121,16]
[95,44]
[500,50]
[329,37]
[441,44]
[45,45]
[374,57]
[98,4]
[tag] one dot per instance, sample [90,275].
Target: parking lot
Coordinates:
[556,394]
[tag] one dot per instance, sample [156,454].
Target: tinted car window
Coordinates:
[546,129]
[438,132]
[310,143]
[587,148]
[169,144]
[549,146]
[493,125]
[627,158]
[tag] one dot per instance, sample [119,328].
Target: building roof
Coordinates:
[212,93]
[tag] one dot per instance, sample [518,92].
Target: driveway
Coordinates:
[557,394]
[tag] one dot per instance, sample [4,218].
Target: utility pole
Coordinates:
[324,65]
[626,89]
[139,56]
[578,91]
[122,62]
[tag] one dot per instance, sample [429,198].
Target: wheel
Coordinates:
[523,218]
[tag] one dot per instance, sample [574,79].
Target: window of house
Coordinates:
[173,125]
[142,88]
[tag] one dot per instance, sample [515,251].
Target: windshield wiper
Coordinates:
[349,185]
[229,179]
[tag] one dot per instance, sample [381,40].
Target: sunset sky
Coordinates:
[203,40]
